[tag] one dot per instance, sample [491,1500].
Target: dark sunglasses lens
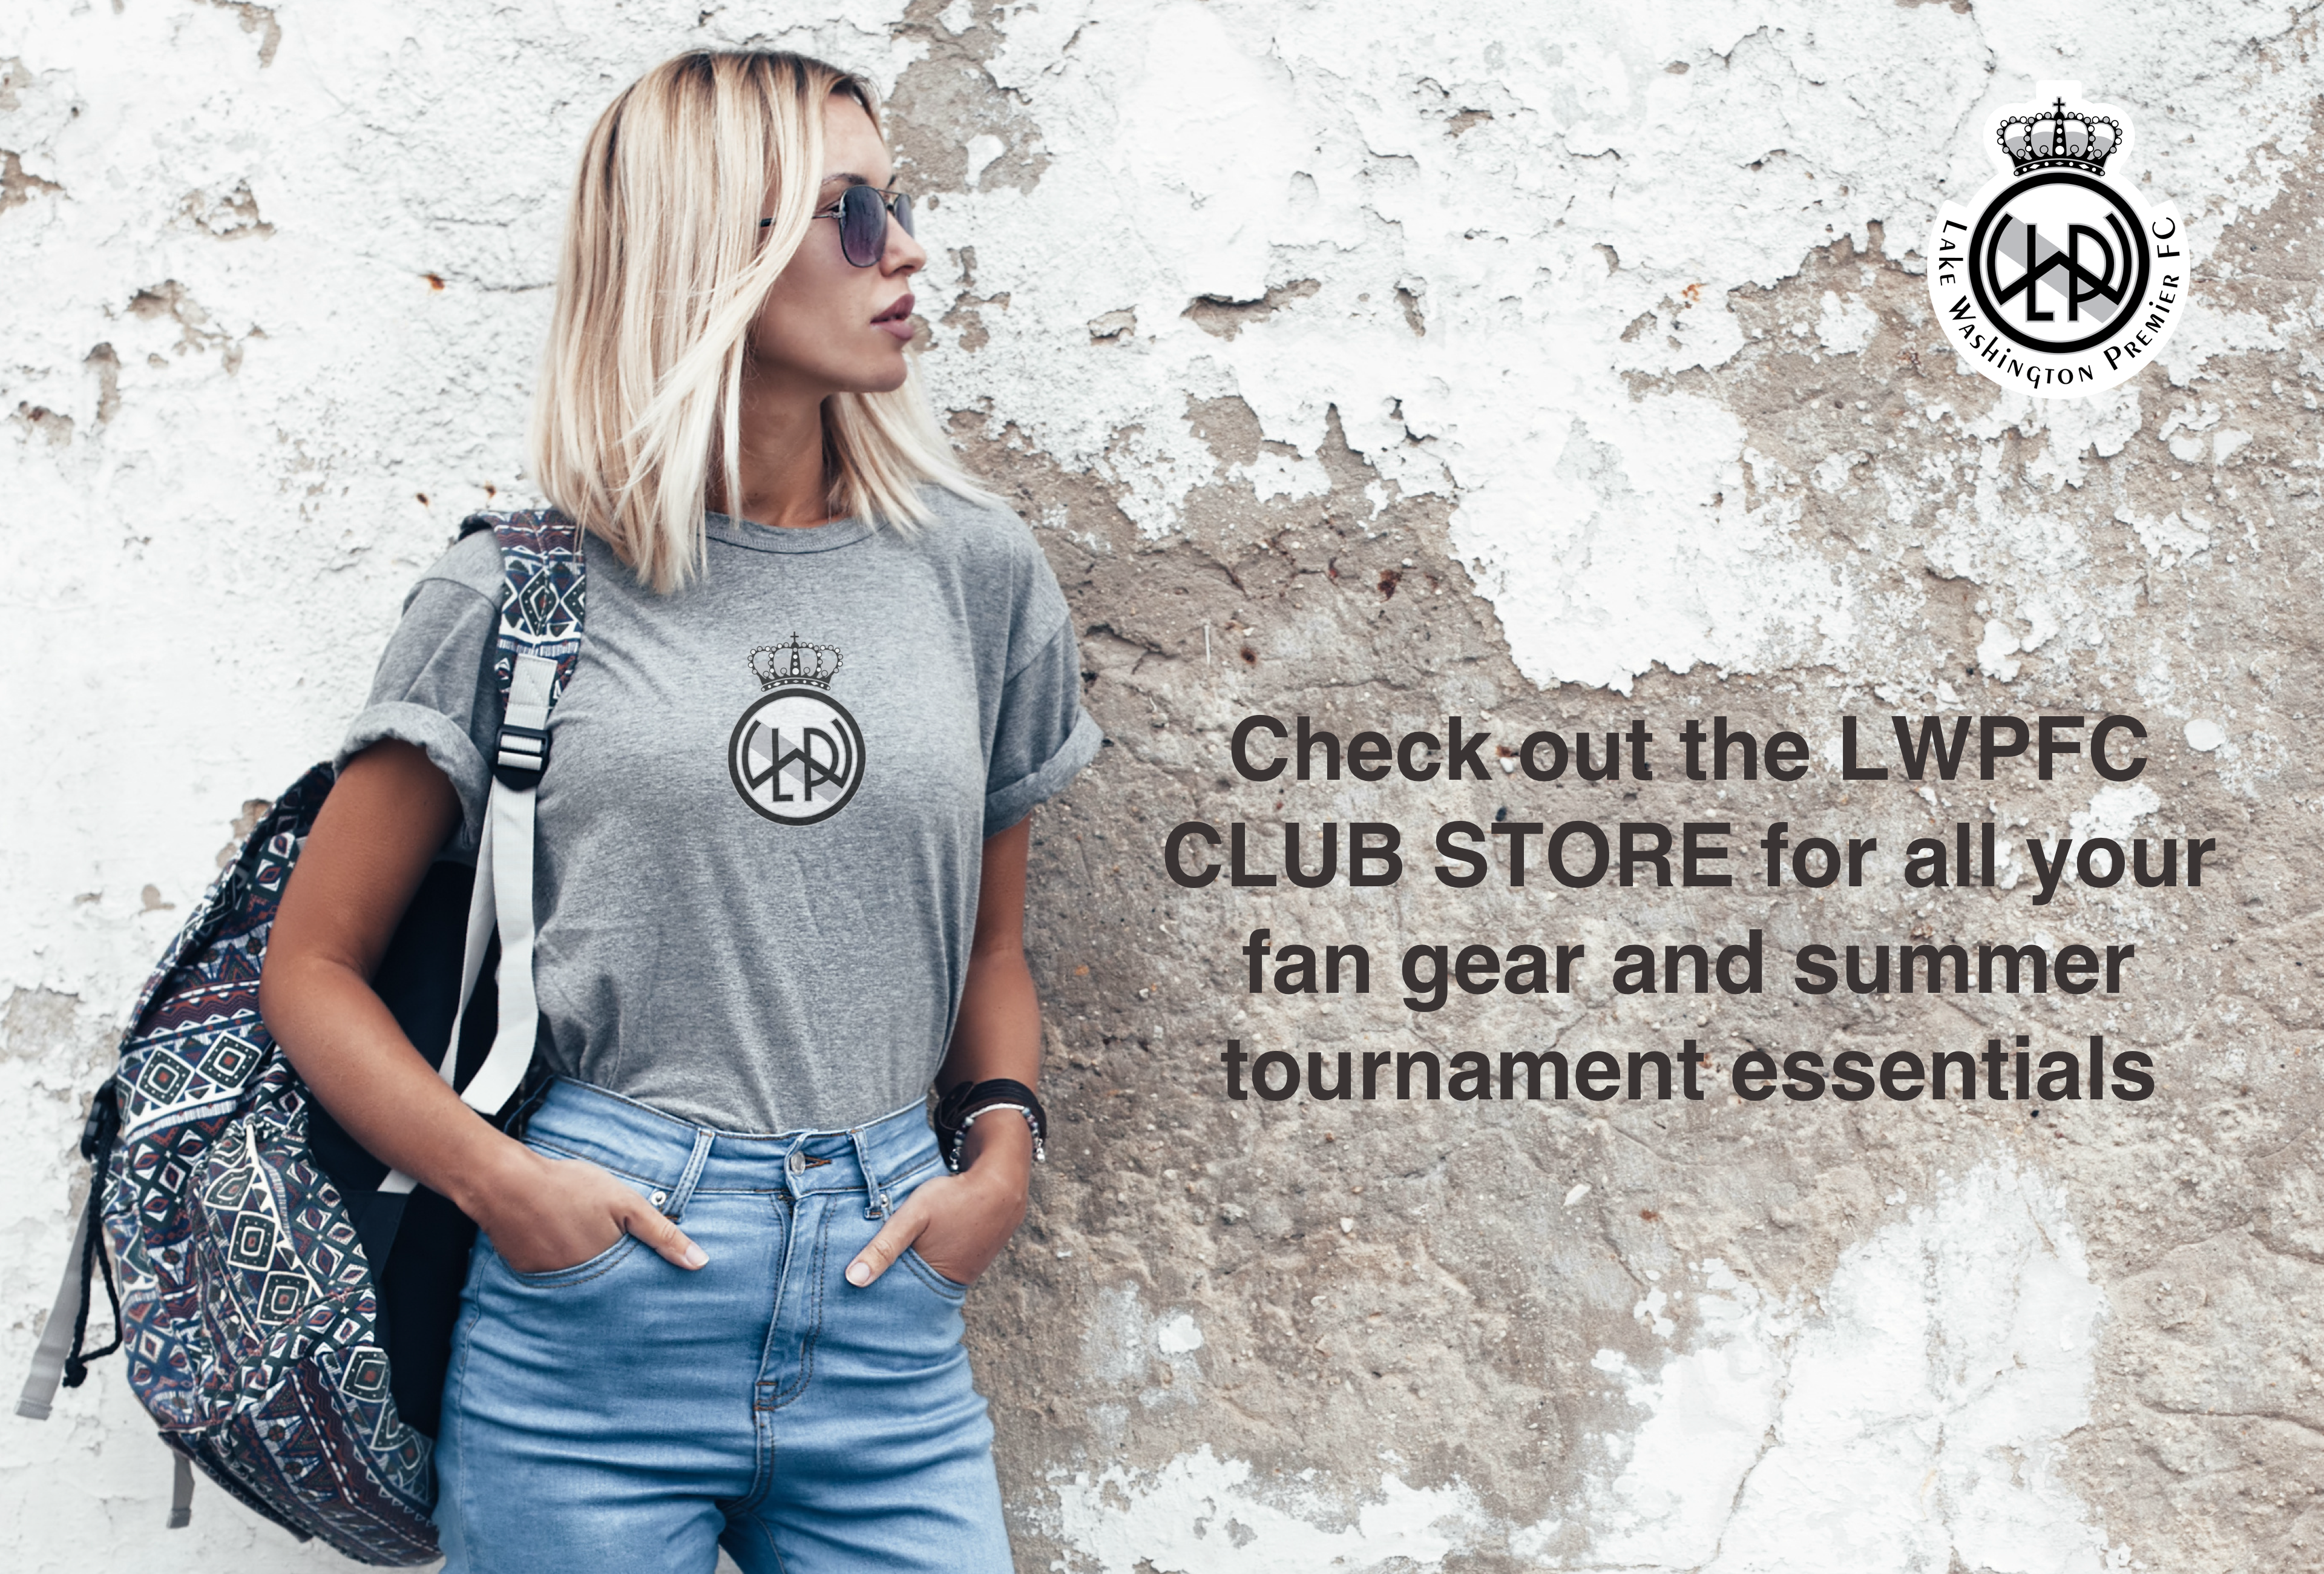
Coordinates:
[904,212]
[863,225]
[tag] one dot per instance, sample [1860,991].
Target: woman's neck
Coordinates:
[783,480]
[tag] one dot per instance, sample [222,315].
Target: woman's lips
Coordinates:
[896,320]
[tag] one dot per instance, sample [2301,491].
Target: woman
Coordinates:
[780,883]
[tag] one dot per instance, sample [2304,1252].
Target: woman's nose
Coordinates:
[905,252]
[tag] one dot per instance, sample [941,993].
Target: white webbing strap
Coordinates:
[57,1334]
[181,1491]
[502,889]
[480,935]
[511,879]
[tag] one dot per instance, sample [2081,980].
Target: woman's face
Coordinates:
[820,329]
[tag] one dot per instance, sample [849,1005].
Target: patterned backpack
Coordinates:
[283,1300]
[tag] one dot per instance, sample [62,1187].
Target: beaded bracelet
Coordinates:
[959,1109]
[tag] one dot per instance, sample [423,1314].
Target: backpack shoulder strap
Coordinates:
[542,594]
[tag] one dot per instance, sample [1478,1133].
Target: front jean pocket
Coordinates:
[558,1278]
[950,1289]
[604,1260]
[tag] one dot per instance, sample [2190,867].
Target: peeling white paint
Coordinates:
[2115,810]
[2204,735]
[1845,328]
[2102,424]
[1201,1514]
[1225,150]
[1908,1418]
[2170,540]
[1911,1414]
[1177,1336]
[982,150]
[1126,1348]
[1996,652]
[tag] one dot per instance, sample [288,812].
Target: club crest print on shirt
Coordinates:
[795,755]
[2059,277]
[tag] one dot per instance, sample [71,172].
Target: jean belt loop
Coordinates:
[695,1162]
[519,1121]
[875,1191]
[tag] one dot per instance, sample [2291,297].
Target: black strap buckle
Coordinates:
[522,756]
[103,1125]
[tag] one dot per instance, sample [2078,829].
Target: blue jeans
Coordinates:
[627,1414]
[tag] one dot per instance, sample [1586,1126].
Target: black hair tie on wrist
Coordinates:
[959,1109]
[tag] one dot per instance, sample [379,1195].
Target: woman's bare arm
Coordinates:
[960,1223]
[372,843]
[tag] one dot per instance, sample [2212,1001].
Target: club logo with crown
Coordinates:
[797,754]
[2059,277]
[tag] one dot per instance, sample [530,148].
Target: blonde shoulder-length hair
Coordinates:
[661,273]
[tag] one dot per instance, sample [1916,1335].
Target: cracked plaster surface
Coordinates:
[1911,1414]
[1374,367]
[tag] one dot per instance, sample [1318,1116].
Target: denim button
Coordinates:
[797,1162]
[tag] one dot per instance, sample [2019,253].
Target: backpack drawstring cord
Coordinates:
[96,1146]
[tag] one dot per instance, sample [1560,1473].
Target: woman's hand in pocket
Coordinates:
[547,1214]
[959,1223]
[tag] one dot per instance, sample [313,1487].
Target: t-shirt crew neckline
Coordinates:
[764,538]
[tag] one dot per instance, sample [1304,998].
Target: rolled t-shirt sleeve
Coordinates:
[1043,737]
[435,688]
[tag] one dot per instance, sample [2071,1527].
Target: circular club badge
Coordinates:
[796,754]
[2059,277]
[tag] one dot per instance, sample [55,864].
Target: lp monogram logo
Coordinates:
[2051,297]
[796,755]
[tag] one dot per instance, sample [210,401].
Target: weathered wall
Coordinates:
[1552,366]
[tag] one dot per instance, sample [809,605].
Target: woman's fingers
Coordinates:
[880,1254]
[960,1228]
[553,1215]
[658,1231]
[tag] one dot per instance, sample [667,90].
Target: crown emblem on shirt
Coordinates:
[2059,140]
[797,663]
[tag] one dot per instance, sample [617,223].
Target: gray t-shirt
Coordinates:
[759,836]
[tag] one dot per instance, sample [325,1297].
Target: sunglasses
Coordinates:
[862,214]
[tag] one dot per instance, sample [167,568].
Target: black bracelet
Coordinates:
[959,1109]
